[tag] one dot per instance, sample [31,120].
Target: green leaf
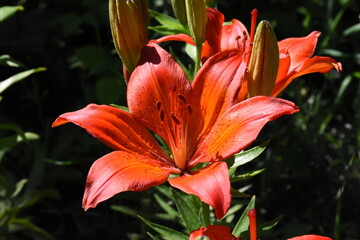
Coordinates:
[243,224]
[126,109]
[89,56]
[8,11]
[166,20]
[352,30]
[247,156]
[165,217]
[107,89]
[165,190]
[166,206]
[188,211]
[152,236]
[168,25]
[165,232]
[20,224]
[246,176]
[6,60]
[11,141]
[123,209]
[236,193]
[344,85]
[270,224]
[18,77]
[31,197]
[164,30]
[230,215]
[19,186]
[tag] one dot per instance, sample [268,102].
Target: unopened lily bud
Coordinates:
[129,29]
[179,9]
[143,6]
[264,61]
[197,19]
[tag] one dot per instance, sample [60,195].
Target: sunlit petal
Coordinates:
[121,171]
[234,35]
[300,48]
[176,37]
[213,232]
[238,127]
[213,33]
[215,88]
[211,184]
[159,92]
[312,65]
[115,128]
[310,237]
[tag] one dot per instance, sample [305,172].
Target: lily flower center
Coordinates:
[175,118]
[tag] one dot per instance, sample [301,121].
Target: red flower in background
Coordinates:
[213,232]
[295,54]
[199,122]
[217,232]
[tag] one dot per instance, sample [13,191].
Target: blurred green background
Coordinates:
[312,174]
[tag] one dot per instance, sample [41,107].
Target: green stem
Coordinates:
[198,58]
[206,213]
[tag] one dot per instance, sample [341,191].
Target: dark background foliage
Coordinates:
[312,163]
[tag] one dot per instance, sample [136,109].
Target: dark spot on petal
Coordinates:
[174,118]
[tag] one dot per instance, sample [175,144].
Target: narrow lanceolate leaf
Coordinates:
[166,206]
[124,209]
[165,232]
[152,236]
[249,155]
[187,212]
[243,223]
[246,176]
[18,77]
[6,60]
[270,224]
[8,11]
[236,193]
[168,24]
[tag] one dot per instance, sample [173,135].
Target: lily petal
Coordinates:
[239,126]
[213,232]
[300,48]
[234,35]
[211,184]
[310,237]
[215,88]
[115,128]
[182,37]
[158,92]
[312,65]
[120,171]
[214,24]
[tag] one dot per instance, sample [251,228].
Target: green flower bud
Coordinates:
[179,9]
[129,30]
[197,19]
[264,61]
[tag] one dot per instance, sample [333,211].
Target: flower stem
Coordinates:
[198,59]
[206,214]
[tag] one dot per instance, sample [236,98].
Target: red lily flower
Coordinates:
[253,233]
[199,122]
[295,53]
[213,232]
[217,232]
